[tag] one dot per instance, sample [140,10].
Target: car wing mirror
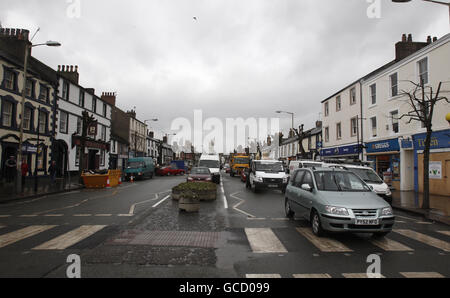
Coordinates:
[306,187]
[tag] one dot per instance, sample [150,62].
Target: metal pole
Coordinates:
[22,105]
[37,153]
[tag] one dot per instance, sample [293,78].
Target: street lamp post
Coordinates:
[292,115]
[22,105]
[432,1]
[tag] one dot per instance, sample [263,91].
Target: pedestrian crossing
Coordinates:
[264,240]
[60,242]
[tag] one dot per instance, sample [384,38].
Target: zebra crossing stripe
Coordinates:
[262,276]
[445,246]
[70,238]
[422,275]
[445,232]
[363,275]
[390,245]
[263,240]
[322,243]
[324,275]
[21,234]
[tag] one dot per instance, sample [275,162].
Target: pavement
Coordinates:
[411,201]
[136,230]
[45,187]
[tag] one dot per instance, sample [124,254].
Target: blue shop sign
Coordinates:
[406,144]
[383,146]
[439,139]
[345,150]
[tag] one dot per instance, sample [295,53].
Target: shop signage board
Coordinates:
[439,139]
[383,146]
[345,150]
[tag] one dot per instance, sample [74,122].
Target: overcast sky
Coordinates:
[240,58]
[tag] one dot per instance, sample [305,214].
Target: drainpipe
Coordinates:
[361,111]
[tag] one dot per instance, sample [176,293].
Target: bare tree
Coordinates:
[423,101]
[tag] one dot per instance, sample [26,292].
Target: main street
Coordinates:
[136,230]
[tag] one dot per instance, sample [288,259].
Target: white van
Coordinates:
[212,162]
[267,174]
[368,175]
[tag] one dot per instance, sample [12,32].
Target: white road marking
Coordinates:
[424,223]
[409,218]
[103,215]
[82,215]
[225,203]
[263,240]
[422,275]
[157,204]
[262,276]
[4,216]
[125,215]
[54,215]
[235,207]
[445,232]
[324,275]
[70,238]
[390,245]
[445,246]
[21,234]
[1,227]
[28,215]
[323,243]
[363,275]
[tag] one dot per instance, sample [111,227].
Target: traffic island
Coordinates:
[189,195]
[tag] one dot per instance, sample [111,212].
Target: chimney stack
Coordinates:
[318,124]
[69,72]
[132,114]
[435,39]
[109,97]
[165,139]
[407,47]
[14,41]
[151,134]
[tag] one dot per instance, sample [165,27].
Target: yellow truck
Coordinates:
[238,163]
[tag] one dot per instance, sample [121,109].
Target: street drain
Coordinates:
[168,238]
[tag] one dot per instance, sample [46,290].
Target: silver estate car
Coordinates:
[337,200]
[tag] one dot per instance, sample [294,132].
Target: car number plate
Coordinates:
[360,221]
[273,185]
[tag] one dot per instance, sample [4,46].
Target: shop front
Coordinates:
[439,168]
[385,157]
[347,152]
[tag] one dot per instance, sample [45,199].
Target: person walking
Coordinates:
[52,172]
[24,169]
[10,169]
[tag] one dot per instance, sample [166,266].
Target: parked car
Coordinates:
[199,174]
[337,200]
[139,168]
[227,168]
[171,170]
